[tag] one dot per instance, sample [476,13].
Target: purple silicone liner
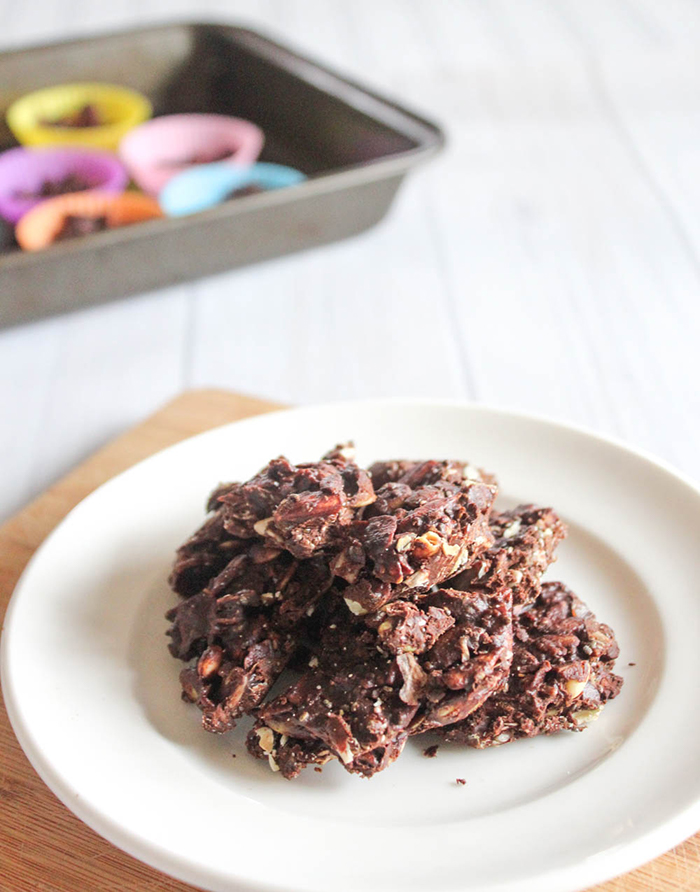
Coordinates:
[26,170]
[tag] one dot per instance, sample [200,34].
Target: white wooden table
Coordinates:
[548,261]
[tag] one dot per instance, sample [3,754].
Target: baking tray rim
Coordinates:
[431,141]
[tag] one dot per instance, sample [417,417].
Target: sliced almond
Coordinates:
[574,688]
[355,607]
[585,717]
[260,526]
[346,754]
[420,577]
[403,543]
[512,529]
[266,739]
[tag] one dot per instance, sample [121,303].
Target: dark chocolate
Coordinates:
[49,188]
[376,680]
[86,116]
[242,629]
[410,539]
[560,679]
[524,546]
[243,191]
[299,507]
[75,225]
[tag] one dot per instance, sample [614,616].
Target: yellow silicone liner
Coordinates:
[120,107]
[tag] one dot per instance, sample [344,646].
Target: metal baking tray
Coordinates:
[354,146]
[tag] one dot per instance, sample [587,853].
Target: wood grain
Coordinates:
[548,260]
[43,846]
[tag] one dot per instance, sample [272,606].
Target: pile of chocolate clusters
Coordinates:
[402,601]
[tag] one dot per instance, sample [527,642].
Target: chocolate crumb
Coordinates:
[318,770]
[431,751]
[461,782]
[631,664]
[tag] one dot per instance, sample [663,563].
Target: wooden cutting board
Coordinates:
[43,847]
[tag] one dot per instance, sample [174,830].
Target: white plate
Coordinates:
[94,697]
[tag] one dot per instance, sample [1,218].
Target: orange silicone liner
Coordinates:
[40,226]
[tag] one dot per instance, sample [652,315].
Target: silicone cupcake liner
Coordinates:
[39,228]
[164,147]
[120,108]
[209,184]
[24,171]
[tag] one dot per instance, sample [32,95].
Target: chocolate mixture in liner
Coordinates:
[201,158]
[86,116]
[72,182]
[75,226]
[525,542]
[299,507]
[561,676]
[413,666]
[243,191]
[242,629]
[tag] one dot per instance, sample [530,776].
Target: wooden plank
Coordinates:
[44,847]
[564,209]
[355,330]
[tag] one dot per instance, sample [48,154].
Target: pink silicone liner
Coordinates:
[26,170]
[155,151]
